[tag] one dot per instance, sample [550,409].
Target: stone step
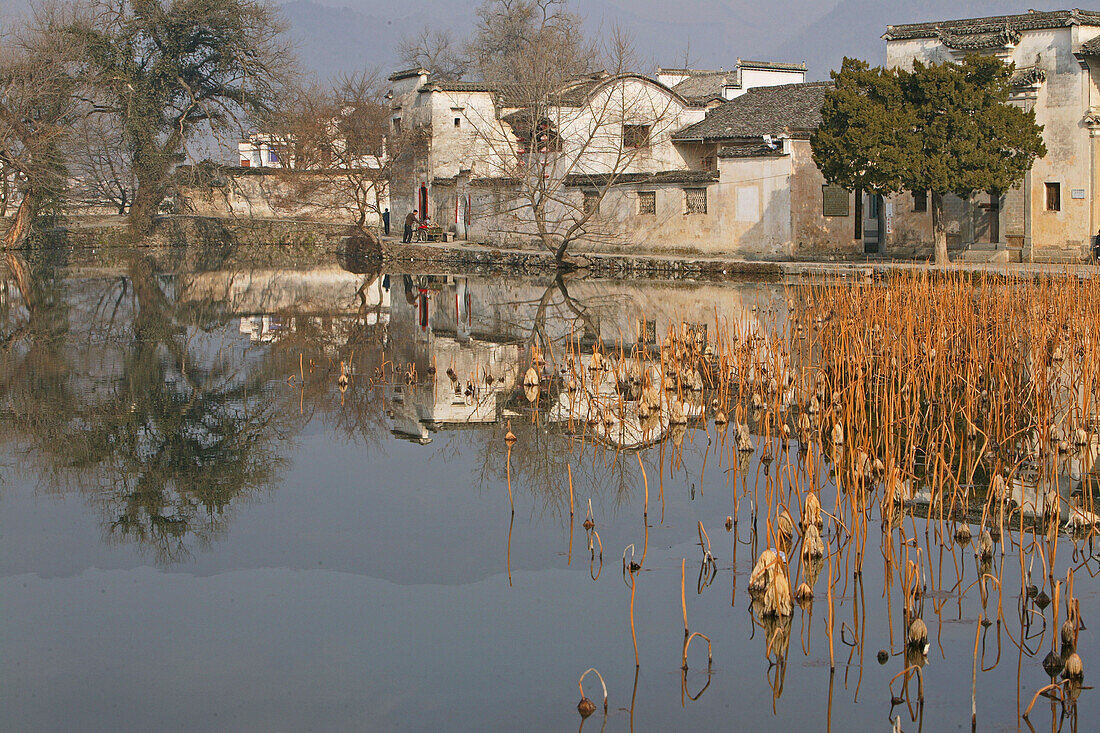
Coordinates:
[990,253]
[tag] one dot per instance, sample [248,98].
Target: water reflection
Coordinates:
[356,421]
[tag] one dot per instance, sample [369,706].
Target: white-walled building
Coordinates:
[654,168]
[1055,212]
[710,87]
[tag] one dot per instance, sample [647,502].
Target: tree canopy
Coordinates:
[167,70]
[944,128]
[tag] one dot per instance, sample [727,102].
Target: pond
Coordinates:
[281,498]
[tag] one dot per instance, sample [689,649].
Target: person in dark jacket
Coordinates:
[410,222]
[386,222]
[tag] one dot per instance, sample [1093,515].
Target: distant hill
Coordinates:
[855,27]
[713,34]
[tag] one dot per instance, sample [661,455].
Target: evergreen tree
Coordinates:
[943,128]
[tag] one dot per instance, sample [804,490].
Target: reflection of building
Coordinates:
[462,373]
[274,303]
[321,291]
[261,329]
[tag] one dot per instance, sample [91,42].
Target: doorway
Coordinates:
[423,202]
[987,219]
[873,223]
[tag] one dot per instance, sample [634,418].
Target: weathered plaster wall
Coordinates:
[812,231]
[286,195]
[1060,105]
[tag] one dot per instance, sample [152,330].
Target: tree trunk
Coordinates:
[14,237]
[143,208]
[939,229]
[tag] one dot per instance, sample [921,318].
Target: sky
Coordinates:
[334,36]
[350,34]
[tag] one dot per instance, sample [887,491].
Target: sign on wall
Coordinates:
[834,201]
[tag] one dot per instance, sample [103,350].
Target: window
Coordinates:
[396,125]
[636,136]
[695,200]
[647,202]
[458,122]
[834,201]
[591,202]
[920,201]
[1054,196]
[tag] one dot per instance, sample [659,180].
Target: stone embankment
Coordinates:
[244,240]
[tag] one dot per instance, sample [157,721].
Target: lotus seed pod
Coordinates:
[586,707]
[918,633]
[962,534]
[1074,668]
[1052,664]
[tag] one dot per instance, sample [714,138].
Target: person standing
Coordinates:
[410,222]
[386,222]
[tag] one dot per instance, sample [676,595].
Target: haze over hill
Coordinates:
[344,35]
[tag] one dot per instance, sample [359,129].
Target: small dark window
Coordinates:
[636,136]
[920,201]
[695,200]
[647,331]
[647,202]
[397,125]
[591,202]
[1054,196]
[458,122]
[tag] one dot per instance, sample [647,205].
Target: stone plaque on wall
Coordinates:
[834,201]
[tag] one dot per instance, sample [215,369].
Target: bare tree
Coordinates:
[340,149]
[168,71]
[36,112]
[526,39]
[437,51]
[101,169]
[571,142]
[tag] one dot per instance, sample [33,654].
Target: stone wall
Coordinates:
[323,197]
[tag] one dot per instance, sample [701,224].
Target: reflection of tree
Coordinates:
[181,432]
[544,448]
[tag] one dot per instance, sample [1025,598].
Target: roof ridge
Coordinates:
[1032,20]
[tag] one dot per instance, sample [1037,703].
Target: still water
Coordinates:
[203,526]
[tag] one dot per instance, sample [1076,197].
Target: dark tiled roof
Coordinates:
[1003,38]
[600,180]
[751,150]
[1028,76]
[1091,48]
[703,87]
[994,24]
[771,65]
[762,111]
[706,85]
[406,73]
